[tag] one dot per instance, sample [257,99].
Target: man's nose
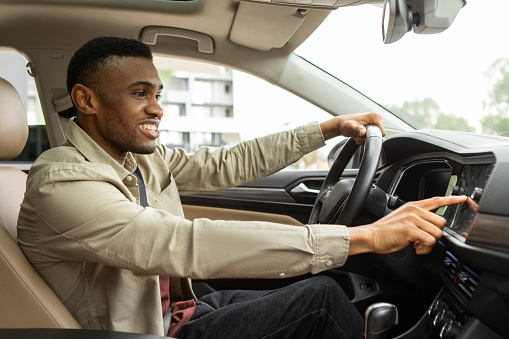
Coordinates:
[155,109]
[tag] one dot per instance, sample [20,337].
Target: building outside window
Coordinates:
[198,105]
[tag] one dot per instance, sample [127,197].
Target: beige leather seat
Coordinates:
[26,300]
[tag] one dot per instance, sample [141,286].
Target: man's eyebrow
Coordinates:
[145,83]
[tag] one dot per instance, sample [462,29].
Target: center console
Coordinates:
[448,313]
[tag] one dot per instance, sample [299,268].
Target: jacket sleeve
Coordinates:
[217,168]
[115,231]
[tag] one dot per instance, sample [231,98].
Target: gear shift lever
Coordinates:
[379,318]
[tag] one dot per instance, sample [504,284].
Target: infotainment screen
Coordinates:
[470,182]
[452,182]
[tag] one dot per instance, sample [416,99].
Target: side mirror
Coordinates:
[398,19]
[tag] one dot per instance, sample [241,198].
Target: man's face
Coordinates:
[128,113]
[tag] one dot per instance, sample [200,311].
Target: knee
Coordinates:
[326,287]
[324,283]
[321,284]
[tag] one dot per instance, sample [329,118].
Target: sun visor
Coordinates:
[263,27]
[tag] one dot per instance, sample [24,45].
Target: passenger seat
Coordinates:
[26,300]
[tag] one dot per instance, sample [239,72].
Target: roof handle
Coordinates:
[149,36]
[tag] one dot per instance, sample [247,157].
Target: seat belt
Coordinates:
[141,188]
[143,202]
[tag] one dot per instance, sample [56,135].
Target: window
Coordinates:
[454,80]
[202,92]
[201,112]
[13,69]
[216,139]
[209,104]
[175,139]
[178,84]
[174,110]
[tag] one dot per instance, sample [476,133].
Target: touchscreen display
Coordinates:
[471,182]
[452,182]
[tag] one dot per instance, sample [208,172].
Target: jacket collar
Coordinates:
[95,153]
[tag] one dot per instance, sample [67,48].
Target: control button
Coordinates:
[477,194]
[450,329]
[441,318]
[435,308]
[394,202]
[456,190]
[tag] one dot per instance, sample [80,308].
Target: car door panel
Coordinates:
[286,193]
[215,213]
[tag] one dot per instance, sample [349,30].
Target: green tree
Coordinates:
[497,121]
[496,124]
[426,113]
[452,123]
[417,113]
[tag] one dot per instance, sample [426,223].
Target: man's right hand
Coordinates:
[411,223]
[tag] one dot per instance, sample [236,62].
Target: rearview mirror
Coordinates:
[430,17]
[398,19]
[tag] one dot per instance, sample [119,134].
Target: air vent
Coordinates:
[461,278]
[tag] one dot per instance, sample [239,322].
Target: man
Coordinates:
[83,227]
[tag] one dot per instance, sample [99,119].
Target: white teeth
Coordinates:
[149,127]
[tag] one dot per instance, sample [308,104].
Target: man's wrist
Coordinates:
[361,240]
[331,128]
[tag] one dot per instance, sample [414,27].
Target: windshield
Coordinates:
[455,80]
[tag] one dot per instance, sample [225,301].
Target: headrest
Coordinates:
[13,122]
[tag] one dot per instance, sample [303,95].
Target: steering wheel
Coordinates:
[340,201]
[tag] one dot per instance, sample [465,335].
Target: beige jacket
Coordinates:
[82,228]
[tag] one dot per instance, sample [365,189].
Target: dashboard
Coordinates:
[474,251]
[469,288]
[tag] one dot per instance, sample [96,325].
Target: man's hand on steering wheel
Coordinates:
[351,125]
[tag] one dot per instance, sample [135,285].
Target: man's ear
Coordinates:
[84,99]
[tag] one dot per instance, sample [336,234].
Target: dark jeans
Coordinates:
[312,308]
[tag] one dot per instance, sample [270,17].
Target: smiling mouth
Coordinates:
[150,130]
[149,127]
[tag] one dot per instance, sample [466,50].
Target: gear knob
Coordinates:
[379,318]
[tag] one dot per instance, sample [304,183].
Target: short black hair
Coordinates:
[86,64]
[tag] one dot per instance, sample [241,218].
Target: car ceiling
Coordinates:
[48,32]
[68,24]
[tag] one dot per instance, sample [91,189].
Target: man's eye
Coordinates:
[139,94]
[158,97]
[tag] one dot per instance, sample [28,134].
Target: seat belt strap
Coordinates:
[141,187]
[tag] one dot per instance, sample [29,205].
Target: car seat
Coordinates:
[27,301]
